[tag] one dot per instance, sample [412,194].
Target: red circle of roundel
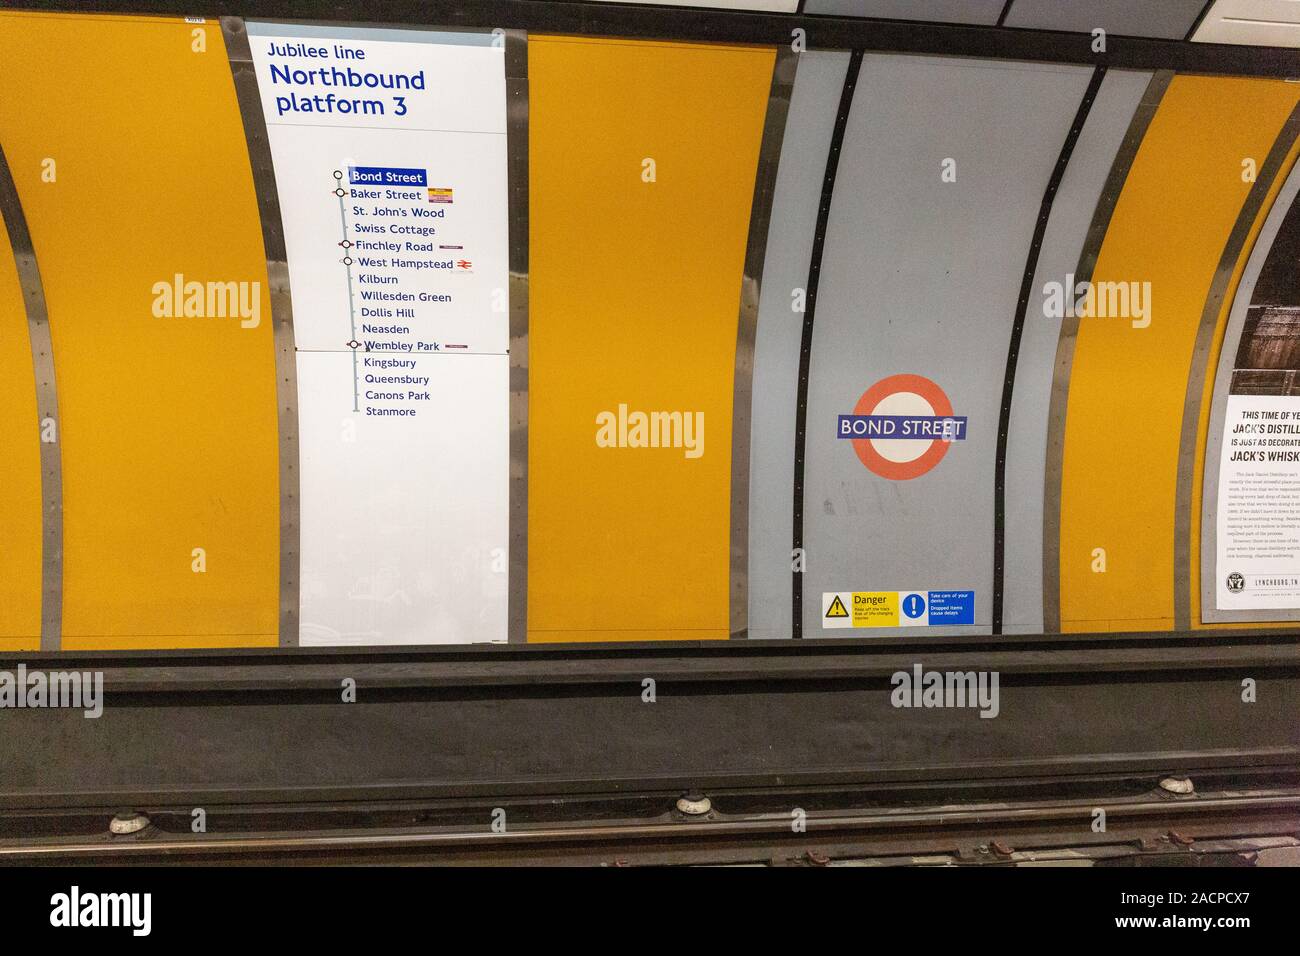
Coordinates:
[872,397]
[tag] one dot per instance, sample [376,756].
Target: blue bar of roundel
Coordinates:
[895,423]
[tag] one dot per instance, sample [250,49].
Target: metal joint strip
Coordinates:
[516,67]
[1017,331]
[286,361]
[760,219]
[1200,18]
[47,408]
[810,307]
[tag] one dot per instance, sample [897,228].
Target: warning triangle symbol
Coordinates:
[837,608]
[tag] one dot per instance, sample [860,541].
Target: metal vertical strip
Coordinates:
[810,305]
[1200,18]
[760,219]
[1052,474]
[277,273]
[47,408]
[1013,348]
[1214,304]
[516,66]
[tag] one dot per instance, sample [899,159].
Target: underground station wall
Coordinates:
[336,335]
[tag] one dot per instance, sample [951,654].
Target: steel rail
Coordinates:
[1268,812]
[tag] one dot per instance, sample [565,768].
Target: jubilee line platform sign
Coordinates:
[390,163]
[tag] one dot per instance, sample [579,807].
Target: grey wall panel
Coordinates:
[808,128]
[1072,212]
[984,12]
[922,276]
[1170,19]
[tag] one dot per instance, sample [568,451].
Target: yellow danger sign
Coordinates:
[875,608]
[860,609]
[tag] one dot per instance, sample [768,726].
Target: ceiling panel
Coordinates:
[1253,22]
[766,6]
[984,12]
[1170,19]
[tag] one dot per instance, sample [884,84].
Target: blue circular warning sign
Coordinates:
[914,605]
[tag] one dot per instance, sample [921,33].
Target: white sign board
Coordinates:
[390,159]
[390,163]
[1258,531]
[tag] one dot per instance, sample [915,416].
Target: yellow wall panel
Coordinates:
[634,298]
[168,425]
[20,470]
[1182,197]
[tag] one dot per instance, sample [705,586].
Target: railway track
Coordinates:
[1218,826]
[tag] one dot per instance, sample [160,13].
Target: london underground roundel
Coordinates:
[902,427]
